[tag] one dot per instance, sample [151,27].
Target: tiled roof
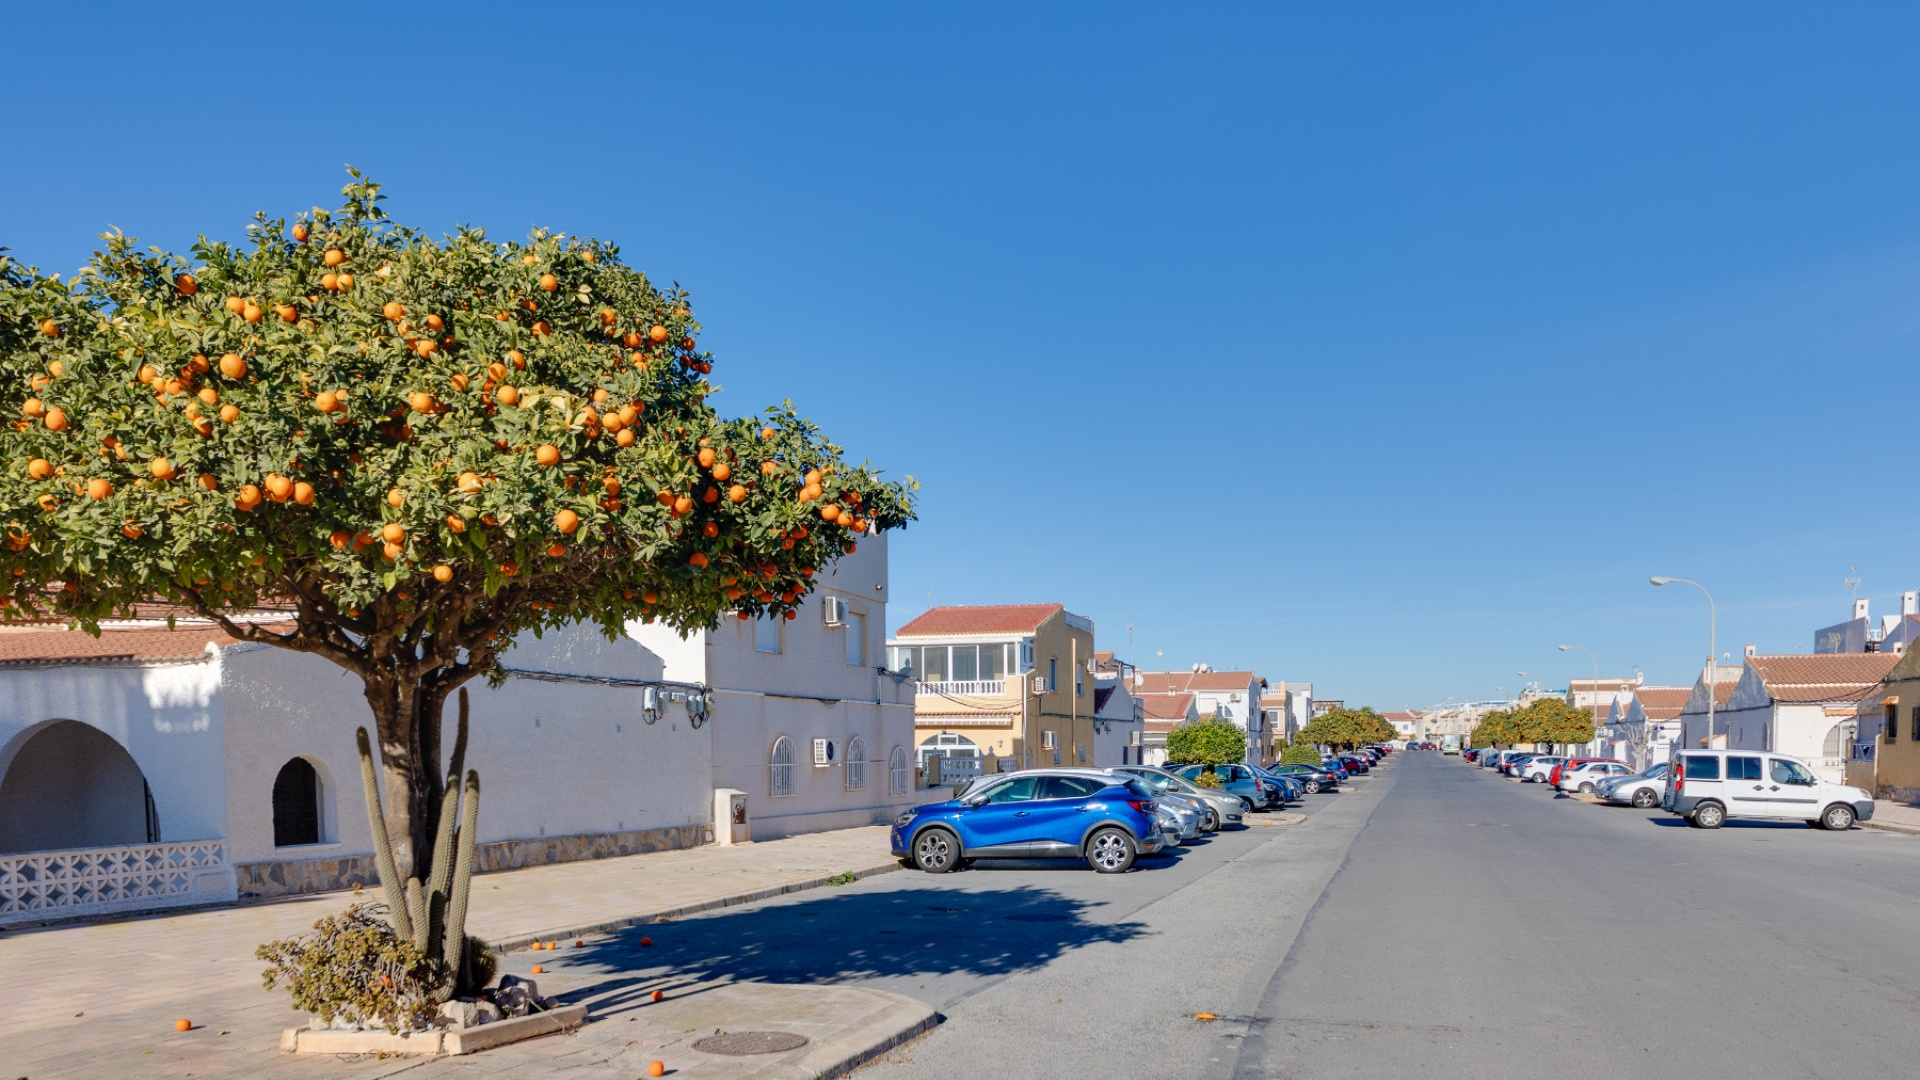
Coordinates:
[1178,682]
[982,619]
[1663,702]
[1822,676]
[1171,707]
[48,645]
[1401,716]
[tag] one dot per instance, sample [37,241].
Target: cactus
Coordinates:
[433,914]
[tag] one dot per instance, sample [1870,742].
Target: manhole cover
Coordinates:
[742,1043]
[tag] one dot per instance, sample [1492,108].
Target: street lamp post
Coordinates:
[1713,663]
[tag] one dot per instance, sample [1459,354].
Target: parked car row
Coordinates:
[1108,816]
[1706,787]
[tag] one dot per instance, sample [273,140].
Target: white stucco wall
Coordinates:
[168,717]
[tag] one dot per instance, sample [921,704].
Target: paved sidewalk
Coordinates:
[100,999]
[1894,817]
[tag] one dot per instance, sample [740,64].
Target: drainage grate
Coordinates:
[743,1043]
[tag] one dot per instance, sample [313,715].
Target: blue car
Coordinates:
[1105,818]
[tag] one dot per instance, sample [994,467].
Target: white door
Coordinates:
[1794,789]
[1746,784]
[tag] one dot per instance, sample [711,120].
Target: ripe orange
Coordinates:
[393,311]
[766,433]
[657,334]
[625,437]
[344,281]
[539,969]
[131,531]
[393,532]
[443,573]
[425,347]
[529,259]
[711,495]
[248,498]
[710,530]
[657,1068]
[456,523]
[507,395]
[209,396]
[279,488]
[232,366]
[287,313]
[391,551]
[556,550]
[48,503]
[566,521]
[333,257]
[39,468]
[229,413]
[549,283]
[147,374]
[682,505]
[698,559]
[236,304]
[737,493]
[791,615]
[548,455]
[541,329]
[56,420]
[657,995]
[459,381]
[98,489]
[303,493]
[608,316]
[420,400]
[722,471]
[706,457]
[434,322]
[251,312]
[183,1025]
[300,232]
[830,512]
[50,328]
[186,284]
[209,481]
[339,539]
[330,282]
[468,482]
[326,401]
[768,468]
[497,371]
[161,468]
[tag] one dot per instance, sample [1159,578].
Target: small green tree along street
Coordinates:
[1550,721]
[1207,741]
[1345,728]
[423,447]
[1300,753]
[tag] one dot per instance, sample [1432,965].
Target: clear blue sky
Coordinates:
[1385,346]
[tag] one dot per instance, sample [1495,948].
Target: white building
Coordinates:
[1163,713]
[1643,724]
[1803,705]
[191,768]
[1119,717]
[1231,695]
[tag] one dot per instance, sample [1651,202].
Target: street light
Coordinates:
[1712,643]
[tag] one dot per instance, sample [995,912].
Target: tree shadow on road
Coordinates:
[841,938]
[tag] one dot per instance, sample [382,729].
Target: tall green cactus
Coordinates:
[433,914]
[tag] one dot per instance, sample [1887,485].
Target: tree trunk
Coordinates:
[408,718]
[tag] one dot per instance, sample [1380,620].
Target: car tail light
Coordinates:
[1145,806]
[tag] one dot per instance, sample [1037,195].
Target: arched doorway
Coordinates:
[296,805]
[73,786]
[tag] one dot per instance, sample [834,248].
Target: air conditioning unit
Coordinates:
[1047,740]
[835,610]
[822,753]
[1039,684]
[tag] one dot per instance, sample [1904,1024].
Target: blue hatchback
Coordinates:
[1105,818]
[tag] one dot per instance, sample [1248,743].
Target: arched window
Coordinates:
[782,768]
[856,764]
[897,774]
[296,804]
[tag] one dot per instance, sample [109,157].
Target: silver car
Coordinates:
[1178,821]
[1225,809]
[1641,790]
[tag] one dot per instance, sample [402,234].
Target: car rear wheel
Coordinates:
[1313,787]
[1246,804]
[1839,817]
[1210,823]
[1645,799]
[1110,851]
[1586,789]
[936,851]
[1709,815]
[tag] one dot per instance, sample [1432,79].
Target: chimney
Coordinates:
[1751,650]
[1910,602]
[1860,608]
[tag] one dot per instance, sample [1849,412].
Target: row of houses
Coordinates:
[166,763]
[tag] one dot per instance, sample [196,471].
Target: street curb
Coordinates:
[900,1021]
[735,900]
[1888,826]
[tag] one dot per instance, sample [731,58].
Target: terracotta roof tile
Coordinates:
[1176,682]
[1822,676]
[1663,702]
[1170,707]
[982,619]
[47,645]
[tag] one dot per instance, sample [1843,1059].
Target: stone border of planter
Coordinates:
[453,1042]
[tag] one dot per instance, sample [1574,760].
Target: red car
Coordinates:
[1553,778]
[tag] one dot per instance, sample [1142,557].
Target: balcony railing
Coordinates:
[55,884]
[963,687]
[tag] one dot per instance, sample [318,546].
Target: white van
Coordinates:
[1709,786]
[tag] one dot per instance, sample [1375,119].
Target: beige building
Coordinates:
[1000,687]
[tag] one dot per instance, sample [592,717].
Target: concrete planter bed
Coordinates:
[450,1041]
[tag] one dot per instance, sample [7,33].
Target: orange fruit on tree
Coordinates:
[434,322]
[710,495]
[326,401]
[421,401]
[333,257]
[556,550]
[393,311]
[737,493]
[393,532]
[566,521]
[209,481]
[161,468]
[339,539]
[766,433]
[657,334]
[830,512]
[48,503]
[458,380]
[98,489]
[706,457]
[722,471]
[232,366]
[236,304]
[710,530]
[768,468]
[547,454]
[425,347]
[300,232]
[791,615]
[542,328]
[248,498]
[608,316]
[330,281]
[468,482]
[518,359]
[443,573]
[39,468]
[56,420]
[287,313]
[279,488]
[529,259]
[131,531]
[391,551]
[49,328]
[229,413]
[186,284]
[344,281]
[625,437]
[682,505]
[549,283]
[697,559]
[252,313]
[209,396]
[456,523]
[303,493]
[507,395]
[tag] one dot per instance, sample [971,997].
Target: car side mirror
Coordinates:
[976,802]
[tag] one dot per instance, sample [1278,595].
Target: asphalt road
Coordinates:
[1432,920]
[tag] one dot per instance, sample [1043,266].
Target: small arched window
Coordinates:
[781,784]
[856,764]
[296,804]
[897,774]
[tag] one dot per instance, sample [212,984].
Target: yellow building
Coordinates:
[1892,769]
[1000,687]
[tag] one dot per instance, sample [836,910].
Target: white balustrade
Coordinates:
[39,885]
[964,687]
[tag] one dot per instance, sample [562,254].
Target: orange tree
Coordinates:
[424,446]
